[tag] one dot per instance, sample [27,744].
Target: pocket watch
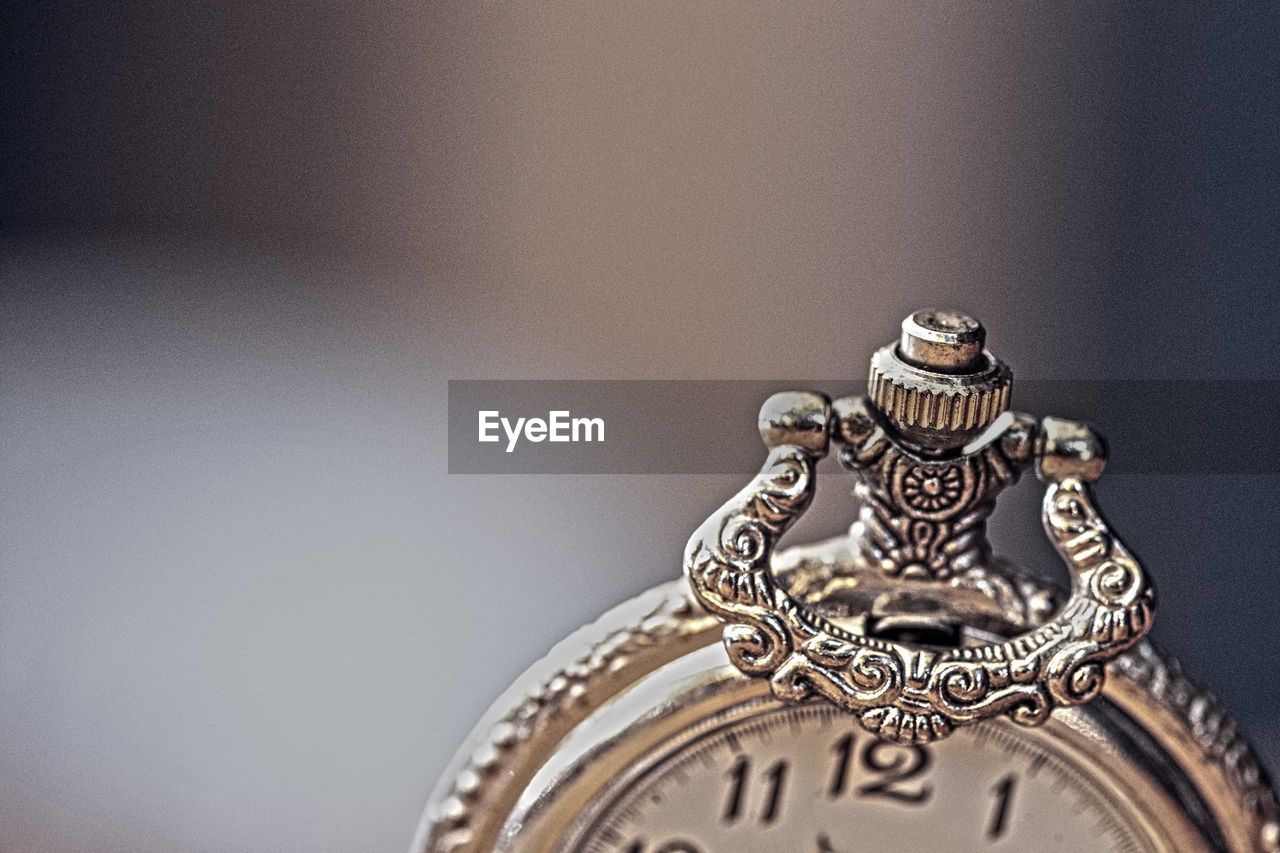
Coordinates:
[898,688]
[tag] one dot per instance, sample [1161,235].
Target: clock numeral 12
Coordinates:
[893,765]
[739,782]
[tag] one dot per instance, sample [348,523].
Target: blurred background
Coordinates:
[243,247]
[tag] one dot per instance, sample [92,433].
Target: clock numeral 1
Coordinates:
[737,788]
[777,776]
[1003,791]
[840,775]
[775,787]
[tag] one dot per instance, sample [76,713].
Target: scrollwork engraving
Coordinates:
[924,516]
[900,692]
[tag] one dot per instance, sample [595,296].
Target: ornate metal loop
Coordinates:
[903,692]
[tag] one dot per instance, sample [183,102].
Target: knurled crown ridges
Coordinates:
[907,397]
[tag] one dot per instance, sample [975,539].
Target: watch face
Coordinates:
[808,779]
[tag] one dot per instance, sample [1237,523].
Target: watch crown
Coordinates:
[938,385]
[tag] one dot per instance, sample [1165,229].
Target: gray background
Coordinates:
[245,248]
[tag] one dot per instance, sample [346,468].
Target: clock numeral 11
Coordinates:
[775,780]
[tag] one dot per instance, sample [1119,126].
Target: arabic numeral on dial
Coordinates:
[1003,792]
[775,780]
[737,788]
[840,773]
[777,777]
[894,767]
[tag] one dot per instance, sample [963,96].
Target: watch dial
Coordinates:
[808,779]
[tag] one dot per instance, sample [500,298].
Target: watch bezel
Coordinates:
[522,731]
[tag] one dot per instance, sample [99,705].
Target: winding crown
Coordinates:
[937,384]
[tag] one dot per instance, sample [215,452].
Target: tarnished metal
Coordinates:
[938,387]
[924,508]
[910,623]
